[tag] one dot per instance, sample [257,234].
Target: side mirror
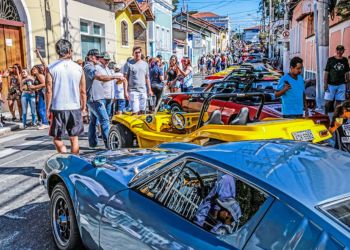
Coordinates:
[149,118]
[99,161]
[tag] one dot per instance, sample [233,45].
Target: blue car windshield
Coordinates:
[152,169]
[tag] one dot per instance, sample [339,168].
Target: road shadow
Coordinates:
[27,227]
[27,171]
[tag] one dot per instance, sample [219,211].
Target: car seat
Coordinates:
[242,117]
[215,118]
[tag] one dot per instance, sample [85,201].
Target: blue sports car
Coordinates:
[242,195]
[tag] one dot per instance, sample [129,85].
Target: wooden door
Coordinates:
[11,50]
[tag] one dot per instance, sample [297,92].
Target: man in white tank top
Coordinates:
[65,98]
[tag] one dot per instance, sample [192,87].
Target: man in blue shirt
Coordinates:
[291,89]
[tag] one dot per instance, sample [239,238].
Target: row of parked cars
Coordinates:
[217,168]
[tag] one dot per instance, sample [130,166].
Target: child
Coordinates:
[120,96]
[340,127]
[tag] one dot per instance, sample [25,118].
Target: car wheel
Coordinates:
[63,222]
[120,137]
[175,107]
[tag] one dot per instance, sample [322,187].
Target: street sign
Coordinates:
[285,34]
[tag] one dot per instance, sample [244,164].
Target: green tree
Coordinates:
[176,4]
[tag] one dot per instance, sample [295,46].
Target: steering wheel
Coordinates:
[178,120]
[200,180]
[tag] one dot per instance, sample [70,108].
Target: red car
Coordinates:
[272,108]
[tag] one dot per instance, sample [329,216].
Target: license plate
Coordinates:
[305,135]
[345,139]
[346,128]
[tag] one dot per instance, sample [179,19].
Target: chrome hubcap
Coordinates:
[113,140]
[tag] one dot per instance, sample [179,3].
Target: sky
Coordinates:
[243,13]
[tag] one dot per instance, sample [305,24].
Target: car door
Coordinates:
[165,211]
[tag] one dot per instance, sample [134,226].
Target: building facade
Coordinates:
[251,34]
[160,30]
[302,36]
[131,29]
[87,31]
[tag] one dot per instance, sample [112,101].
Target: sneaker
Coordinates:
[14,119]
[43,126]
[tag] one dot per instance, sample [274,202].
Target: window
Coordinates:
[168,40]
[124,31]
[92,36]
[205,196]
[163,42]
[158,43]
[84,27]
[97,29]
[339,211]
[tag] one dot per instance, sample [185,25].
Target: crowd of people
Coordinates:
[68,93]
[90,91]
[210,64]
[291,89]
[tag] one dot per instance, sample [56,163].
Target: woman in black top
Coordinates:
[172,75]
[14,93]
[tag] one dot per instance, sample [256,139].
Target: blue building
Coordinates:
[160,39]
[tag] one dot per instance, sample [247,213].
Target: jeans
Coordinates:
[187,89]
[42,107]
[108,104]
[98,113]
[28,99]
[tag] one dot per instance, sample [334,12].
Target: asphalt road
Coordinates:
[24,203]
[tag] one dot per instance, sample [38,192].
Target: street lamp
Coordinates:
[116,4]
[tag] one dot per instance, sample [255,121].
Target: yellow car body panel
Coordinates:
[150,134]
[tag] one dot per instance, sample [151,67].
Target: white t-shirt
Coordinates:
[66,76]
[119,89]
[102,90]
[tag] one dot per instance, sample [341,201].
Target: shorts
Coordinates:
[335,92]
[120,105]
[138,101]
[13,97]
[70,121]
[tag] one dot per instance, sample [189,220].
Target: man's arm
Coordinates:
[148,83]
[282,91]
[125,86]
[48,93]
[104,78]
[325,80]
[82,88]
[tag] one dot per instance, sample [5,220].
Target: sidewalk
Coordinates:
[9,125]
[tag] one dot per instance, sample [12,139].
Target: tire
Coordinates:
[66,233]
[175,107]
[120,137]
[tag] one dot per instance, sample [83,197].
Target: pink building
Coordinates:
[302,36]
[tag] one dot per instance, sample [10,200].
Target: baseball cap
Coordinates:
[93,52]
[340,47]
[105,56]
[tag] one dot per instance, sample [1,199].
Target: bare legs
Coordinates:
[61,148]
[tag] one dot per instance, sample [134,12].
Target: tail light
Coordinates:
[323,133]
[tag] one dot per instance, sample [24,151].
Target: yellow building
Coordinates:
[131,28]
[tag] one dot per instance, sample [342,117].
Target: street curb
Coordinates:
[6,130]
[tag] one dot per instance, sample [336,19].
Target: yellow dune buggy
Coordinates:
[205,125]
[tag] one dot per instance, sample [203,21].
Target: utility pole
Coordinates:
[322,46]
[286,43]
[270,29]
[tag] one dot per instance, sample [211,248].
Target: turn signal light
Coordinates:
[323,133]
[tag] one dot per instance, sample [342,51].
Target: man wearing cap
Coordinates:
[335,77]
[97,75]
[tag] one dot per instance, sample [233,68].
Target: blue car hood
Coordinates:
[124,164]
